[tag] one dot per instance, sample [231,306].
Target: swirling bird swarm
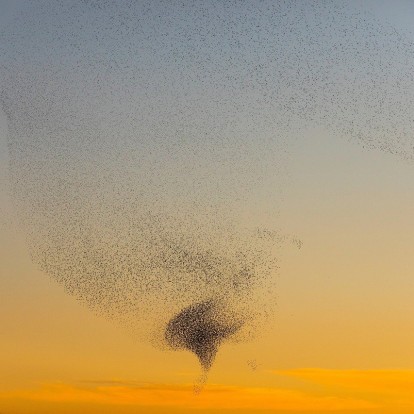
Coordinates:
[141,133]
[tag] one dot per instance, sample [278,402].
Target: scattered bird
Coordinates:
[145,136]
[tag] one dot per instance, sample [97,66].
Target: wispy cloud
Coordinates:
[313,390]
[213,397]
[384,388]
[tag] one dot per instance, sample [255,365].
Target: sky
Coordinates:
[339,338]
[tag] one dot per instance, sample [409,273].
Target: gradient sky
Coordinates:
[341,339]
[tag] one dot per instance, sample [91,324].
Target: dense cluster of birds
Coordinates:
[200,328]
[148,140]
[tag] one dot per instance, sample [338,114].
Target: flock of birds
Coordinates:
[145,137]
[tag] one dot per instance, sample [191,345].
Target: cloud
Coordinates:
[385,388]
[182,396]
[313,389]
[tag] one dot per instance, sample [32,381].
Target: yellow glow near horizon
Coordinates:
[372,391]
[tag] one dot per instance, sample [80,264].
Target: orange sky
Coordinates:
[341,339]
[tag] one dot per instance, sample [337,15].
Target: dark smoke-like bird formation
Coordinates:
[149,140]
[198,329]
